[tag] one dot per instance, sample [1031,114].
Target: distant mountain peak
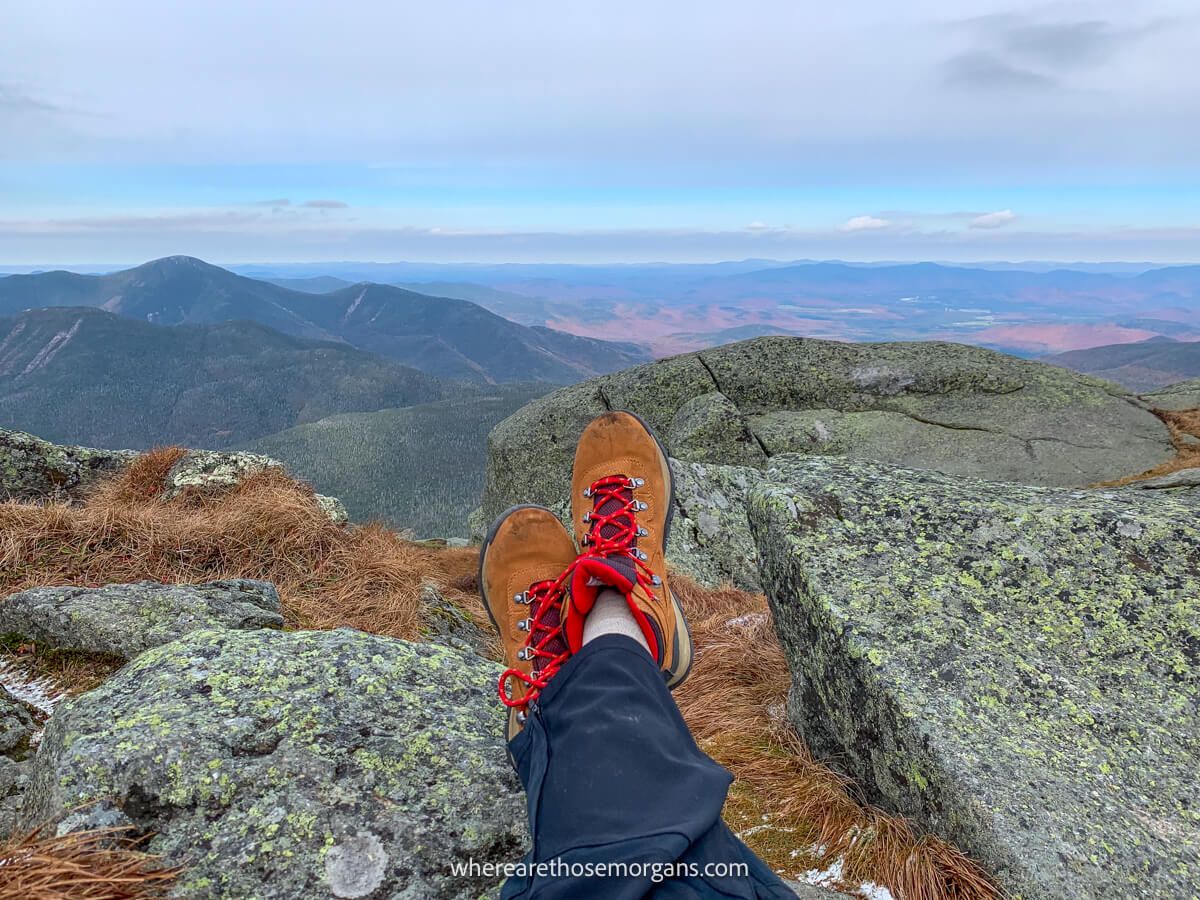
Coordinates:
[178,262]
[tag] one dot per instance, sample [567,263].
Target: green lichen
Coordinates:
[250,754]
[1034,675]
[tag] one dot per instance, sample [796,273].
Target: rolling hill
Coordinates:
[82,375]
[1143,366]
[439,335]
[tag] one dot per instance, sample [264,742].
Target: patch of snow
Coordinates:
[40,693]
[832,878]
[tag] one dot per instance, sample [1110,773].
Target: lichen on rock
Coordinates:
[293,765]
[219,470]
[946,407]
[34,470]
[1018,668]
[126,619]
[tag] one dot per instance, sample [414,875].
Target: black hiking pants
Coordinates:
[613,776]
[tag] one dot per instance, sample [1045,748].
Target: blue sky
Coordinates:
[532,130]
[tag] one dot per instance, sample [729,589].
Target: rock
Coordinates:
[447,624]
[126,619]
[1184,479]
[206,470]
[334,508]
[477,527]
[947,407]
[1017,668]
[293,765]
[813,892]
[710,429]
[33,470]
[16,727]
[710,536]
[14,779]
[1180,396]
[217,470]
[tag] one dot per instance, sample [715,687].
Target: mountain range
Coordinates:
[1143,366]
[362,386]
[82,375]
[439,335]
[1030,310]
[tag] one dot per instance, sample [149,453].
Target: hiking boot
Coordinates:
[522,572]
[621,493]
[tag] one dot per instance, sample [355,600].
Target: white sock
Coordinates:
[611,615]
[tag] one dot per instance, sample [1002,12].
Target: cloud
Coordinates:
[1063,44]
[326,204]
[1020,52]
[865,223]
[14,98]
[993,219]
[251,236]
[985,70]
[283,201]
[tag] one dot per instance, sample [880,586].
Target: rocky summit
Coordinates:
[298,765]
[945,407]
[1017,668]
[978,639]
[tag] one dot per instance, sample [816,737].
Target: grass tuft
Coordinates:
[268,527]
[88,865]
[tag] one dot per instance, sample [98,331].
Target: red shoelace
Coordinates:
[546,644]
[614,528]
[613,531]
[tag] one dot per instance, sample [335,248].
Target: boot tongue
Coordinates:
[548,621]
[616,503]
[611,503]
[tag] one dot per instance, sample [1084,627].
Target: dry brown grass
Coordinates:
[268,527]
[786,804]
[1181,424]
[87,865]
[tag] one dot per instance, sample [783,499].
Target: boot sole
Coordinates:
[682,649]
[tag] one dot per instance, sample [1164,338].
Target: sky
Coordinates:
[624,131]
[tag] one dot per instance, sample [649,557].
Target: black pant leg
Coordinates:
[612,775]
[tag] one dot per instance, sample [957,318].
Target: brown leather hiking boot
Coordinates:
[621,492]
[522,568]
